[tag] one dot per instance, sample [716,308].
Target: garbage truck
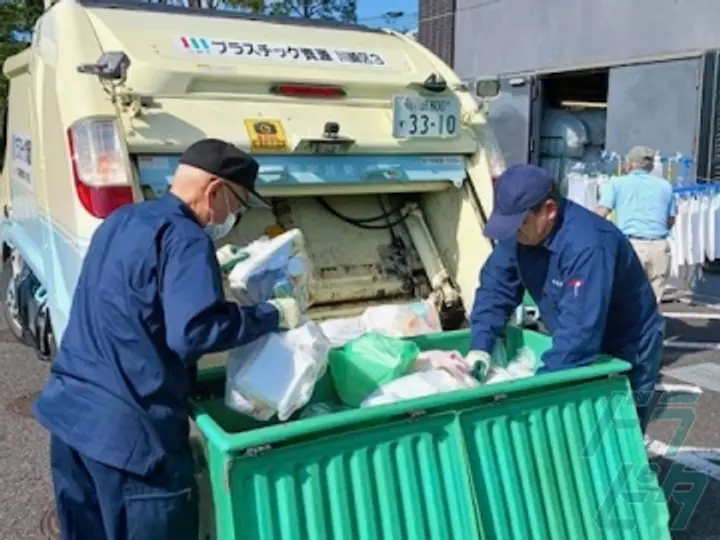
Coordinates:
[377,152]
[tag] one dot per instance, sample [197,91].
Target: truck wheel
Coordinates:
[46,348]
[10,311]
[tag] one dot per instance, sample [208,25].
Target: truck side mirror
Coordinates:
[487,88]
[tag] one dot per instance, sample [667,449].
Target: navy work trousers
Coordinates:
[97,502]
[646,374]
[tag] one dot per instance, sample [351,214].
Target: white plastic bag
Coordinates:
[321,409]
[402,320]
[340,331]
[524,364]
[236,401]
[566,129]
[420,384]
[276,268]
[277,372]
[451,361]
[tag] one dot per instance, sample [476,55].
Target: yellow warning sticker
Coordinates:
[266,135]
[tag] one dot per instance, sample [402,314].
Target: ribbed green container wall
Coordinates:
[554,457]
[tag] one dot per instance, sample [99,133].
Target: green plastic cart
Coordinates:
[553,457]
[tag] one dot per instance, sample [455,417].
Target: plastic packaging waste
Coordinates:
[394,320]
[237,402]
[524,364]
[277,372]
[402,320]
[366,363]
[340,331]
[420,384]
[322,408]
[451,361]
[274,268]
[563,134]
[658,167]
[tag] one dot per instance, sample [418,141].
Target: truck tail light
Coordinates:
[102,179]
[308,90]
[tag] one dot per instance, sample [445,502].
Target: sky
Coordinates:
[370,12]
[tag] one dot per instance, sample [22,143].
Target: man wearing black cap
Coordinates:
[584,275]
[148,304]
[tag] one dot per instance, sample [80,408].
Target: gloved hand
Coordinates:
[229,255]
[289,310]
[479,362]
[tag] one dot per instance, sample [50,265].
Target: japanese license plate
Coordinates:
[425,117]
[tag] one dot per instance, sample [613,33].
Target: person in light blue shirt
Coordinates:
[645,211]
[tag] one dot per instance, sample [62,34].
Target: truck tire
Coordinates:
[46,349]
[10,313]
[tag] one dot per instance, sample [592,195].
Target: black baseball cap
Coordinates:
[228,162]
[517,191]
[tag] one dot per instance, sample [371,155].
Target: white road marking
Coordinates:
[696,300]
[708,454]
[678,388]
[692,345]
[691,315]
[691,460]
[705,375]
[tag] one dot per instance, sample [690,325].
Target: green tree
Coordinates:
[331,10]
[17,19]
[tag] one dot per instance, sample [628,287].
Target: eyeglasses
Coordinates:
[242,204]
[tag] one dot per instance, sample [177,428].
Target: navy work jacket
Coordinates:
[588,283]
[148,304]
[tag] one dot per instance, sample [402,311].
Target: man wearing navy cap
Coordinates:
[591,290]
[148,304]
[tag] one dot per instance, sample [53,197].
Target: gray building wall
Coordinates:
[493,37]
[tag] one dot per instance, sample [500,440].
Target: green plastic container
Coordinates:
[554,457]
[366,363]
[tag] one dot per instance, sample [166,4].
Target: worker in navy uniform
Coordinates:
[583,273]
[148,304]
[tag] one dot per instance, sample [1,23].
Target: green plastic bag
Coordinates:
[364,364]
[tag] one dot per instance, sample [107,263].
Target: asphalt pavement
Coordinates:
[684,440]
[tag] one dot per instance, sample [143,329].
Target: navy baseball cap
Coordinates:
[518,190]
[226,161]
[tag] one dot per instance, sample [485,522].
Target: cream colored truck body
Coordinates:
[174,95]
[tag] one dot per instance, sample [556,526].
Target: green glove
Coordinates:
[479,362]
[228,256]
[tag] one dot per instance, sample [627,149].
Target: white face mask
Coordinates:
[216,232]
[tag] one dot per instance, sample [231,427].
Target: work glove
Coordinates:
[229,255]
[289,311]
[479,362]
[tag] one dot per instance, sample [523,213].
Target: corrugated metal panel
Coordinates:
[564,465]
[404,480]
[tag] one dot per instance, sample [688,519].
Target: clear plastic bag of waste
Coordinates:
[277,372]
